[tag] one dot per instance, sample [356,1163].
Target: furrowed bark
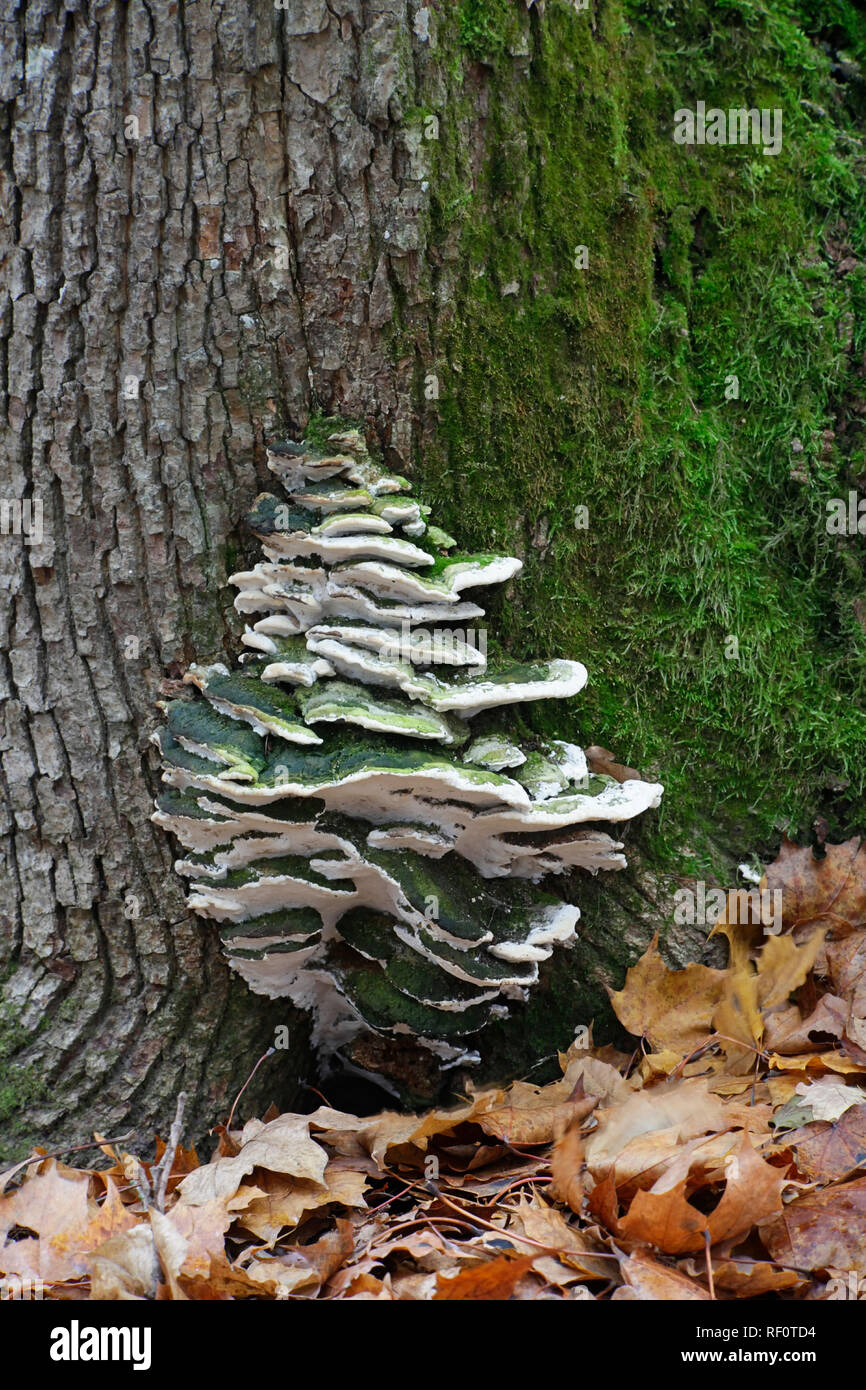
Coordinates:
[194,260]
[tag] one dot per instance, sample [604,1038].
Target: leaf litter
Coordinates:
[724,1158]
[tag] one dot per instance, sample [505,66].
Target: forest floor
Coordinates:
[723,1158]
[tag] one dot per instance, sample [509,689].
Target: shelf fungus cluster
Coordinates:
[363,849]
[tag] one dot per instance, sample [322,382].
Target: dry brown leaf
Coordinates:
[684,1107]
[665,1218]
[831,890]
[395,1137]
[601,760]
[672,1009]
[331,1251]
[534,1115]
[273,1202]
[283,1146]
[598,1077]
[654,1281]
[829,1152]
[303,1268]
[566,1167]
[744,1278]
[202,1230]
[124,1268]
[846,962]
[497,1279]
[573,1248]
[822,1230]
[786,1030]
[817,1062]
[783,966]
[649,1158]
[737,1017]
[171,1248]
[54,1203]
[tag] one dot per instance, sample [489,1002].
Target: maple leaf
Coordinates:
[283,1146]
[125,1267]
[670,1008]
[745,1278]
[786,1030]
[737,1016]
[397,1137]
[829,1152]
[201,1232]
[753,988]
[578,1254]
[535,1115]
[651,1280]
[665,1218]
[274,1202]
[831,890]
[846,962]
[566,1166]
[497,1279]
[685,1108]
[55,1204]
[821,1230]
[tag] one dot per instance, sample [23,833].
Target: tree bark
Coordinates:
[194,258]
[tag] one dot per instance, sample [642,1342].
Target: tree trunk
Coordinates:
[193,261]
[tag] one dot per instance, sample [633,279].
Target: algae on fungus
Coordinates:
[362,853]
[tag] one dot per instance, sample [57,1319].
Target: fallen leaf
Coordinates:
[283,1146]
[832,889]
[787,1031]
[566,1166]
[829,1152]
[601,760]
[68,1225]
[665,1218]
[275,1202]
[821,1230]
[846,962]
[654,1281]
[497,1279]
[670,1008]
[745,1278]
[125,1267]
[685,1107]
[828,1098]
[202,1229]
[533,1115]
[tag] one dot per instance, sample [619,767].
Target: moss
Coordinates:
[20,1087]
[486,27]
[609,386]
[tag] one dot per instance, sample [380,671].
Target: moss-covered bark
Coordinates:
[611,386]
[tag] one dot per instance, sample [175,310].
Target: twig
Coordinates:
[479,1221]
[270,1052]
[709,1264]
[162,1172]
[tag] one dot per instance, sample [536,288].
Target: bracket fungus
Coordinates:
[362,850]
